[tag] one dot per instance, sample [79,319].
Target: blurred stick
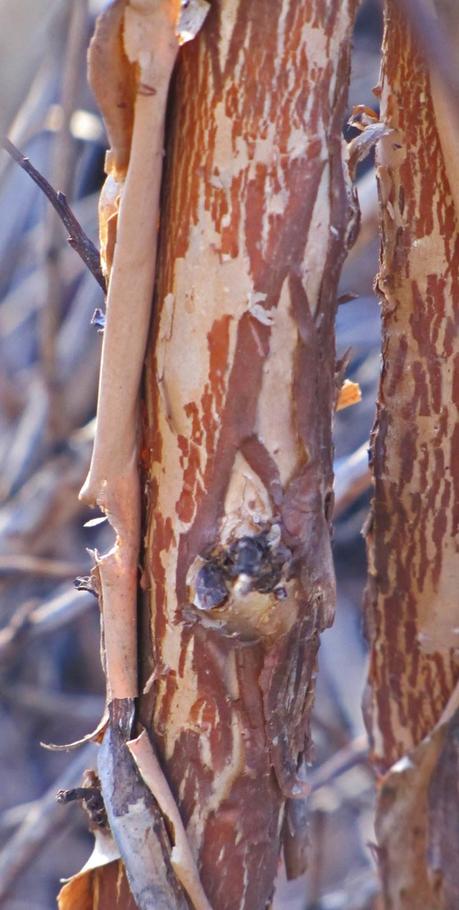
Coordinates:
[41,824]
[62,174]
[31,621]
[352,478]
[52,705]
[22,563]
[78,240]
[354,753]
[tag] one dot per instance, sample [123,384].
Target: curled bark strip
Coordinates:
[182,858]
[113,82]
[94,737]
[150,47]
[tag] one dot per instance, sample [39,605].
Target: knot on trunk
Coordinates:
[239,588]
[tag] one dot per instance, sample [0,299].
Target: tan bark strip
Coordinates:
[112,483]
[181,857]
[413,557]
[150,33]
[241,388]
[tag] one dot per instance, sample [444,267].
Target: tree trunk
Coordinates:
[241,386]
[240,389]
[411,601]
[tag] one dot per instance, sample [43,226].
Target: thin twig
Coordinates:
[78,240]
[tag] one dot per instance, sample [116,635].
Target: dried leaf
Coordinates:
[350,394]
[101,883]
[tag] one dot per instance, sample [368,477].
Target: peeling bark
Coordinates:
[411,601]
[241,386]
[412,607]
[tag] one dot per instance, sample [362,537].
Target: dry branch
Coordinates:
[135,820]
[32,621]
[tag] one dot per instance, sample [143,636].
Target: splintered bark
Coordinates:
[241,386]
[412,595]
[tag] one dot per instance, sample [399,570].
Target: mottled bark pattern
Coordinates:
[240,393]
[412,600]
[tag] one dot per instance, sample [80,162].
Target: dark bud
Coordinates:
[211,590]
[247,555]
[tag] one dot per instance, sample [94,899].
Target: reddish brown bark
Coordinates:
[411,601]
[412,595]
[241,387]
